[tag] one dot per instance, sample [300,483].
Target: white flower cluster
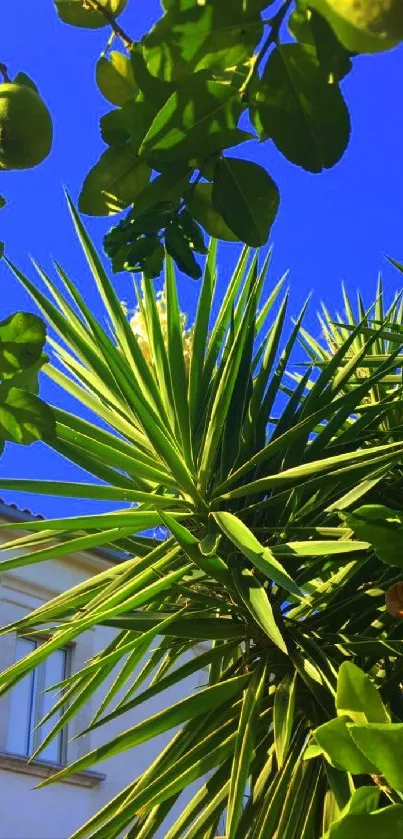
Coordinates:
[139,328]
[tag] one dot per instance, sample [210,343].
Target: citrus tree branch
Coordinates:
[275,26]
[127,41]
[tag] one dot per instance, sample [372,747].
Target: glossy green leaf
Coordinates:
[261,557]
[283,716]
[200,629]
[200,204]
[198,119]
[113,129]
[22,337]
[244,749]
[74,13]
[246,197]
[178,247]
[255,598]
[164,189]
[189,708]
[311,28]
[23,417]
[155,90]
[211,564]
[308,470]
[300,110]
[385,823]
[382,527]
[97,492]
[113,183]
[363,801]
[335,738]
[114,77]
[381,744]
[193,37]
[357,697]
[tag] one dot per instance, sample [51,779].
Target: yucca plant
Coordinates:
[377,338]
[191,433]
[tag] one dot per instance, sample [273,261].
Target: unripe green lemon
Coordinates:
[383,18]
[364,25]
[80,13]
[26,131]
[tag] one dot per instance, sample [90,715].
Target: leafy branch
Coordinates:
[275,26]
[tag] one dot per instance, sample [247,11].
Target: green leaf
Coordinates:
[178,247]
[155,90]
[308,27]
[247,198]
[362,801]
[244,748]
[141,249]
[357,697]
[382,744]
[308,470]
[210,564]
[22,78]
[339,748]
[23,417]
[177,363]
[200,629]
[29,379]
[92,540]
[3,202]
[198,119]
[113,183]
[200,205]
[283,716]
[386,823]
[183,671]
[261,557]
[382,527]
[22,337]
[115,78]
[95,491]
[192,231]
[164,189]
[196,36]
[76,14]
[186,709]
[222,395]
[137,115]
[300,110]
[113,128]
[334,60]
[254,597]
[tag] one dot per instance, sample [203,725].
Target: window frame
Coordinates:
[33,736]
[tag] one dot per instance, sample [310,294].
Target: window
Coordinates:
[29,703]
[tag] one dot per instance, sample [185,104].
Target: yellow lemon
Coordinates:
[26,131]
[80,13]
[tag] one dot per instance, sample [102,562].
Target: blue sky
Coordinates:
[331,227]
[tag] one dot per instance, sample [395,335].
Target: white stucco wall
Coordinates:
[56,811]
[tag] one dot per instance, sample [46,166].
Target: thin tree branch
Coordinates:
[276,23]
[127,41]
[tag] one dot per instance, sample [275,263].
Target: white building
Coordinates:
[57,810]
